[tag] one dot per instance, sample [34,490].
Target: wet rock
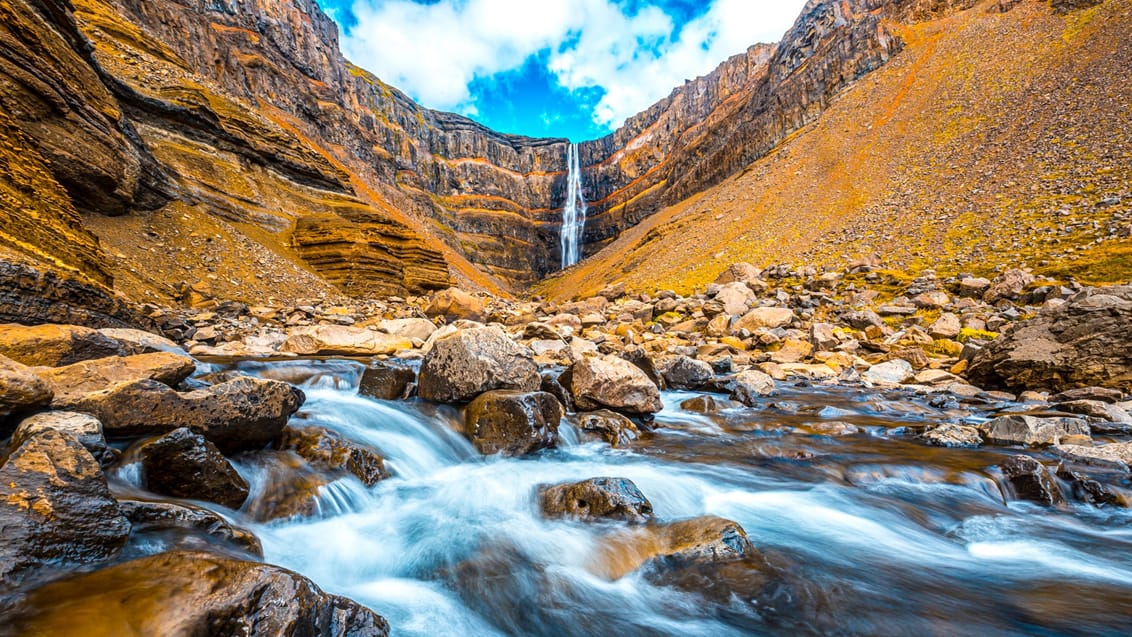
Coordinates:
[764,318]
[1031,430]
[596,499]
[1102,394]
[342,340]
[387,381]
[953,435]
[552,384]
[1029,480]
[55,345]
[71,382]
[243,413]
[82,427]
[183,464]
[513,423]
[684,372]
[1081,343]
[609,426]
[288,488]
[663,552]
[454,304]
[893,372]
[610,382]
[1117,455]
[182,593]
[328,450]
[469,362]
[55,508]
[21,391]
[1086,489]
[162,516]
[750,386]
[703,405]
[1096,409]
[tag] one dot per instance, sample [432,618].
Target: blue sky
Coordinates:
[550,68]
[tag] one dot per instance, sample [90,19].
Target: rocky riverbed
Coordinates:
[463,464]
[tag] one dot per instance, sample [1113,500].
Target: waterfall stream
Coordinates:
[574,212]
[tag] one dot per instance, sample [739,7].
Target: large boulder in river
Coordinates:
[1028,480]
[185,594]
[751,385]
[1032,430]
[82,427]
[243,413]
[609,382]
[387,381]
[20,389]
[1081,343]
[72,381]
[329,450]
[55,508]
[513,423]
[469,362]
[54,345]
[685,372]
[183,464]
[342,340]
[596,499]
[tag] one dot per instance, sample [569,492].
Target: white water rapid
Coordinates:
[574,212]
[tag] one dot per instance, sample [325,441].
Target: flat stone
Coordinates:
[1031,430]
[71,382]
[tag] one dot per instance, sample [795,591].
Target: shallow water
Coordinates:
[870,533]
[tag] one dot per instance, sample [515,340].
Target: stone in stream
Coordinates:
[1081,343]
[328,450]
[289,486]
[241,414]
[596,499]
[82,427]
[1096,409]
[685,372]
[183,464]
[21,391]
[751,385]
[472,361]
[666,551]
[609,426]
[55,508]
[71,382]
[704,405]
[1086,488]
[893,372]
[387,381]
[553,384]
[609,382]
[183,593]
[168,516]
[953,435]
[342,340]
[1029,480]
[1031,430]
[55,345]
[513,423]
[1116,455]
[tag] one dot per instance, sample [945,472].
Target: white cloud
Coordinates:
[435,51]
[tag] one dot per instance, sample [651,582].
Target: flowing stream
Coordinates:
[868,532]
[574,212]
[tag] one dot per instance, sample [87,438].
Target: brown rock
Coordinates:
[1029,480]
[609,426]
[469,362]
[387,381]
[182,593]
[20,389]
[329,451]
[162,516]
[83,428]
[244,413]
[454,304]
[750,386]
[1031,430]
[183,464]
[342,340]
[596,499]
[609,382]
[55,508]
[513,423]
[71,382]
[764,318]
[55,345]
[684,372]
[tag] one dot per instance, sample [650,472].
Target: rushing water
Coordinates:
[574,212]
[868,532]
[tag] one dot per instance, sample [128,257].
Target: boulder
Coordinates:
[21,390]
[1081,343]
[70,382]
[328,450]
[55,508]
[469,362]
[408,328]
[182,464]
[974,287]
[454,304]
[953,435]
[1031,430]
[751,385]
[82,427]
[289,486]
[1009,285]
[764,318]
[736,298]
[342,340]
[1087,489]
[609,382]
[1096,409]
[1029,480]
[685,372]
[609,426]
[662,551]
[596,499]
[1102,394]
[243,413]
[1116,455]
[142,342]
[947,325]
[639,357]
[741,272]
[387,381]
[54,345]
[893,372]
[182,594]
[513,423]
[159,517]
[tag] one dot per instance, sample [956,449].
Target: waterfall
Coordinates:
[574,212]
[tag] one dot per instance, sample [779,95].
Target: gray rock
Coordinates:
[513,423]
[469,362]
[953,435]
[1029,480]
[750,386]
[609,382]
[596,499]
[1031,430]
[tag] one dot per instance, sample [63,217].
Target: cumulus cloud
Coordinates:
[434,51]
